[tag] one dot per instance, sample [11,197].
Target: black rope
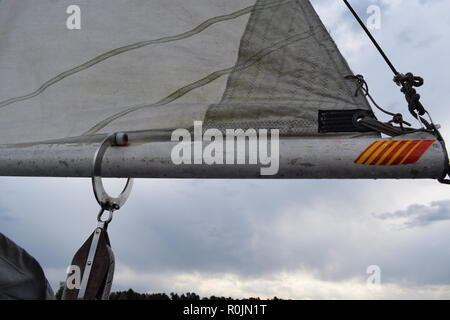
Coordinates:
[372,38]
[408,82]
[363,87]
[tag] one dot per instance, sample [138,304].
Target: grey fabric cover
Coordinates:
[21,276]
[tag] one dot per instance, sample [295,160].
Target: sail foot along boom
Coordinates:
[251,64]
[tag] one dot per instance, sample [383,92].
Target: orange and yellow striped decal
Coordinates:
[393,153]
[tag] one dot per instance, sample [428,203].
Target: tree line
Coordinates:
[130,294]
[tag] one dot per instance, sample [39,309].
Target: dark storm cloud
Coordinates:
[227,226]
[255,229]
[421,215]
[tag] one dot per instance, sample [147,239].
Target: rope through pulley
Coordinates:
[363,87]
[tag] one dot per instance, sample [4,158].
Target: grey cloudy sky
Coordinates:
[292,239]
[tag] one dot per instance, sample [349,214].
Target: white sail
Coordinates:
[59,83]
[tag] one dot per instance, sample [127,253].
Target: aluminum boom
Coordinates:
[299,159]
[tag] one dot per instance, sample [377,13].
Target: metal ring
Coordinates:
[107,220]
[103,198]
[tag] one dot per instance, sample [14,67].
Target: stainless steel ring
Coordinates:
[106,201]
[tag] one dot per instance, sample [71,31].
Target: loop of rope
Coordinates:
[363,87]
[408,82]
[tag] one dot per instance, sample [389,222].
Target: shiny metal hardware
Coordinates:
[106,201]
[109,204]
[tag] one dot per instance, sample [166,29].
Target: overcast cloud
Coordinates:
[292,239]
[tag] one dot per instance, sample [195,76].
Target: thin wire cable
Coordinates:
[369,34]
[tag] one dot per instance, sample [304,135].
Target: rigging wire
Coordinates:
[394,70]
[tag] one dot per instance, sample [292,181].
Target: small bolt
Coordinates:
[89,263]
[121,139]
